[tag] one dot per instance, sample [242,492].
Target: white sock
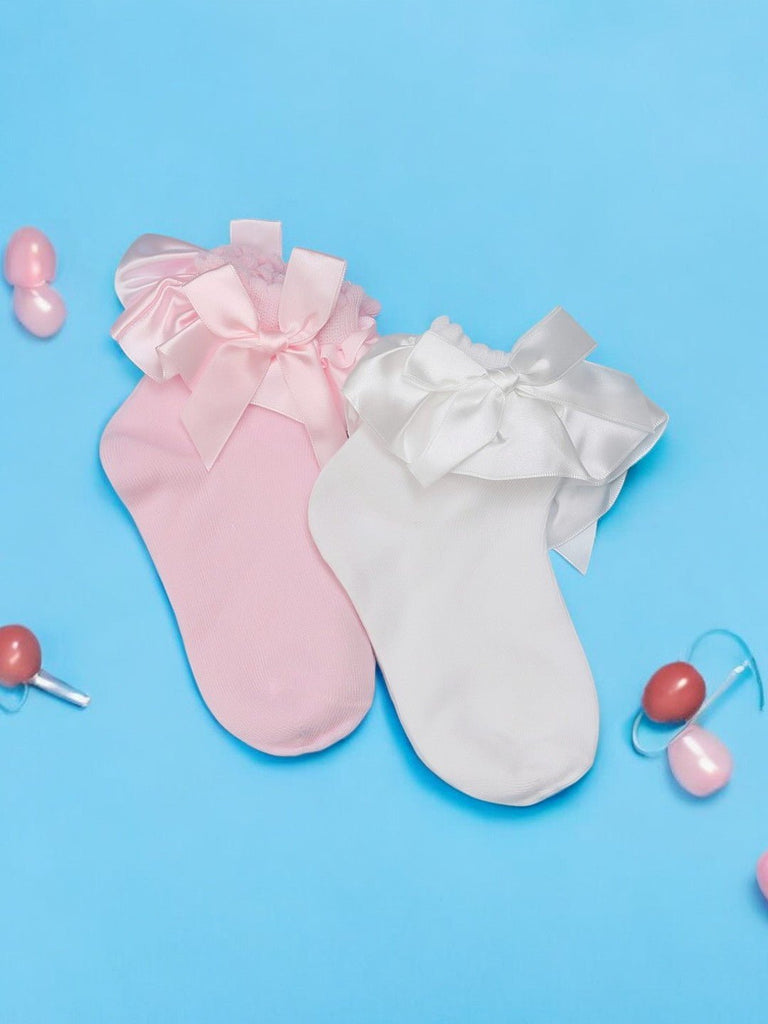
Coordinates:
[465,466]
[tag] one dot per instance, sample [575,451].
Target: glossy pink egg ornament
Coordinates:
[762,874]
[30,259]
[698,760]
[30,266]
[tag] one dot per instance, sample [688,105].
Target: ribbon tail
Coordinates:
[311,390]
[310,290]
[221,395]
[578,550]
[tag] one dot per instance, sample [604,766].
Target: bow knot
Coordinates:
[273,342]
[506,380]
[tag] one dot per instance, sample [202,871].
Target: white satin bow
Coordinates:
[442,405]
[465,402]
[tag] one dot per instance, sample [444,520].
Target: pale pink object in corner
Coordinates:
[276,648]
[762,874]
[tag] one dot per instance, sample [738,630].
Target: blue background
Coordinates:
[485,160]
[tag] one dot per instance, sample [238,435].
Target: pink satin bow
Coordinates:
[231,377]
[215,342]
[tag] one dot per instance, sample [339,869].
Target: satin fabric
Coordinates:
[183,320]
[444,405]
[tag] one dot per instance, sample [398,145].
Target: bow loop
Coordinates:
[223,305]
[460,413]
[550,349]
[448,428]
[435,365]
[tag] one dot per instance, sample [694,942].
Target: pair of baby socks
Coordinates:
[464,467]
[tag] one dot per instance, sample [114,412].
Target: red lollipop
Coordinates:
[21,664]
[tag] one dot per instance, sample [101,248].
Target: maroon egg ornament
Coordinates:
[674,693]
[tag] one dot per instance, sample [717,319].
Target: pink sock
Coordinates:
[215,454]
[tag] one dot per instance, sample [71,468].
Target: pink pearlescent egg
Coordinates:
[41,310]
[700,762]
[30,259]
[762,874]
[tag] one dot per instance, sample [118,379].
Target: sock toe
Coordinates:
[290,717]
[507,766]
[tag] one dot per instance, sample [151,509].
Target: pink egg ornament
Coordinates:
[762,874]
[699,761]
[30,259]
[41,310]
[674,693]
